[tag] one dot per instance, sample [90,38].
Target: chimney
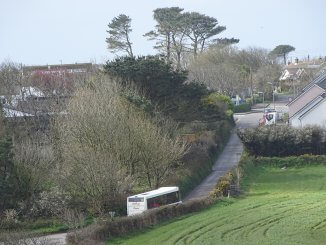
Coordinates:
[296,61]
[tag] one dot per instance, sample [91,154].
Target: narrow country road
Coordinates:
[229,158]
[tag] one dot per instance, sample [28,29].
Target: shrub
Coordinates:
[284,140]
[8,175]
[22,238]
[197,165]
[73,218]
[223,185]
[242,108]
[9,219]
[218,99]
[50,203]
[249,101]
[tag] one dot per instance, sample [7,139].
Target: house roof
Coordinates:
[58,67]
[8,113]
[31,92]
[311,64]
[322,83]
[310,106]
[290,73]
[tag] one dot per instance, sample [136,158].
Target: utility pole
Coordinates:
[272,83]
[252,91]
[273,94]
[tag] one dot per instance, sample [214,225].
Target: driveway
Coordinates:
[229,158]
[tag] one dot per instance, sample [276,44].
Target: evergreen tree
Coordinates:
[282,51]
[200,29]
[119,35]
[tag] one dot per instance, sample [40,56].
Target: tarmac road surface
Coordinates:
[229,158]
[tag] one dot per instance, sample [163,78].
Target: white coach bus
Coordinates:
[153,199]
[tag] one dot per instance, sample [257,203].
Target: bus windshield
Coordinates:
[161,200]
[135,199]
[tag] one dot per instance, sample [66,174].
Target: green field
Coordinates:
[279,207]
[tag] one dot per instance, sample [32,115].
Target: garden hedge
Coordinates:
[284,140]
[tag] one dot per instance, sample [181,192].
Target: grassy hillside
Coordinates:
[280,207]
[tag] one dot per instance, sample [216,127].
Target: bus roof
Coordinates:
[157,192]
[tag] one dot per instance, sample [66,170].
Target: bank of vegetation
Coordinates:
[274,199]
[114,138]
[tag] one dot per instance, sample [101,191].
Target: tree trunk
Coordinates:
[178,60]
[129,45]
[149,180]
[284,57]
[168,48]
[202,46]
[195,48]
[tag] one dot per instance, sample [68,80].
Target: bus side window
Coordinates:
[154,202]
[163,200]
[173,197]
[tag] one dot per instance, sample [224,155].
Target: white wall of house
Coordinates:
[317,116]
[295,122]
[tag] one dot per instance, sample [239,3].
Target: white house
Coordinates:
[309,107]
[314,113]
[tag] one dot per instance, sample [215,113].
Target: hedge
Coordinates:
[283,140]
[242,108]
[292,161]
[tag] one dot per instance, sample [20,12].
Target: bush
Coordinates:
[249,100]
[223,185]
[22,238]
[9,219]
[197,165]
[218,99]
[284,140]
[242,108]
[47,204]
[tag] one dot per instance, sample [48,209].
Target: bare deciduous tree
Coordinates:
[231,71]
[107,143]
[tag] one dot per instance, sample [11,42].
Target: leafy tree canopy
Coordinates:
[119,31]
[165,86]
[282,51]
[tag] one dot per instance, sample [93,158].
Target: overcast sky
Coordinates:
[51,31]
